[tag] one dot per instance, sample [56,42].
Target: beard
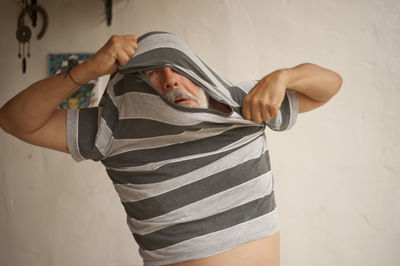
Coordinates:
[178,96]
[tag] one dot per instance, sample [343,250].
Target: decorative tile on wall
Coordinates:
[85,96]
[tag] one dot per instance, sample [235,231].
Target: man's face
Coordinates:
[177,88]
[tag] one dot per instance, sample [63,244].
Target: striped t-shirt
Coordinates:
[194,182]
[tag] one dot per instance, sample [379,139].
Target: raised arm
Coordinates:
[33,116]
[313,84]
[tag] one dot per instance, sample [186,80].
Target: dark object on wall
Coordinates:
[24,33]
[34,14]
[108,5]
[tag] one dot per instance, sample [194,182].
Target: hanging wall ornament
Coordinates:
[24,33]
[108,6]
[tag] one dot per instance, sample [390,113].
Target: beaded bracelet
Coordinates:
[69,74]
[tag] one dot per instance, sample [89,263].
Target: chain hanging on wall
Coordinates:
[24,33]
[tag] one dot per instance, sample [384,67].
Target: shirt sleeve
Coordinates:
[90,130]
[82,127]
[287,114]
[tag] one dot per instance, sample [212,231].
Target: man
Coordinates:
[185,148]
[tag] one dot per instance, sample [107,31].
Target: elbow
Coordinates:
[2,119]
[338,83]
[335,84]
[3,122]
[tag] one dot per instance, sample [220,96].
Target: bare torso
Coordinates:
[263,252]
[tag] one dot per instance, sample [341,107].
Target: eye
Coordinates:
[150,72]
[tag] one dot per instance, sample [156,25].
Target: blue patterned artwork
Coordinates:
[85,95]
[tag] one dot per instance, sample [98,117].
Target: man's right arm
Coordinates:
[33,116]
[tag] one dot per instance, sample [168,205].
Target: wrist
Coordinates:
[83,72]
[283,76]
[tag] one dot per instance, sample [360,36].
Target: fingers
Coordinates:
[124,47]
[263,102]
[258,109]
[117,49]
[125,54]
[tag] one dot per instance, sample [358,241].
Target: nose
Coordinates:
[171,79]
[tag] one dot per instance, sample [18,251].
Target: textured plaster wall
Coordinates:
[336,171]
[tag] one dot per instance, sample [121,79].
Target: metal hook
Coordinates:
[29,9]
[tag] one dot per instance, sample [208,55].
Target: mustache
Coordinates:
[178,94]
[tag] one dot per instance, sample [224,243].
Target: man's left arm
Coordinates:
[314,86]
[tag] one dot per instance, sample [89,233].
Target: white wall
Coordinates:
[336,171]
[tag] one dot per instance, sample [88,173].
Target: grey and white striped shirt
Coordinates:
[194,182]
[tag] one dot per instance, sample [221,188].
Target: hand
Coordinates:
[264,100]
[118,48]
